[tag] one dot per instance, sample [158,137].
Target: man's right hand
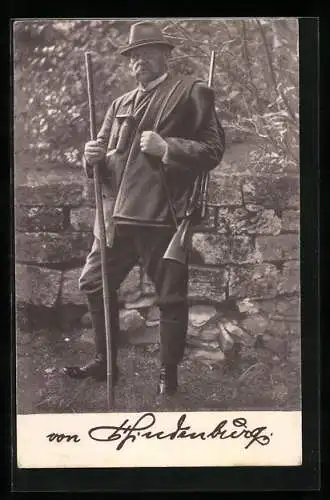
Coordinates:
[94,152]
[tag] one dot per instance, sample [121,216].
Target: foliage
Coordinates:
[256,81]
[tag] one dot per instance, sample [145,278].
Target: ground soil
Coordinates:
[249,380]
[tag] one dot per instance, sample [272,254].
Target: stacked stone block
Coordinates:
[245,286]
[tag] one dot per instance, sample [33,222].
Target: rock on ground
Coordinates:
[147,335]
[140,301]
[255,324]
[207,345]
[247,306]
[225,340]
[237,333]
[131,285]
[199,315]
[208,356]
[130,321]
[210,332]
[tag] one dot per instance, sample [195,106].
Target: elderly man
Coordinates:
[139,223]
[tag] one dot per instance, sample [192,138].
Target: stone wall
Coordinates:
[246,289]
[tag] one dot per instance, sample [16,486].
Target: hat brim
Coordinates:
[127,50]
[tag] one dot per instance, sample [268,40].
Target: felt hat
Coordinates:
[145,33]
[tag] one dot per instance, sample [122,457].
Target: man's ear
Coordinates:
[167,52]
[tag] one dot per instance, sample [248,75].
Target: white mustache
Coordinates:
[138,66]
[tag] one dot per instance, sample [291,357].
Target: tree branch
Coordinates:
[272,72]
[249,69]
[187,34]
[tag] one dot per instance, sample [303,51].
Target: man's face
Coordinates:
[147,63]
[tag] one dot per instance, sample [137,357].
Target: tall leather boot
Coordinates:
[97,368]
[173,331]
[168,380]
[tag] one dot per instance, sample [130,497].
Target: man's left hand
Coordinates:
[153,143]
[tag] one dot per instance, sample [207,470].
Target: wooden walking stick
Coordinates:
[101,223]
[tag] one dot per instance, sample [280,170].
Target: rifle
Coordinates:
[100,214]
[178,247]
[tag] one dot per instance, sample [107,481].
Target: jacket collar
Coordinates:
[154,83]
[130,96]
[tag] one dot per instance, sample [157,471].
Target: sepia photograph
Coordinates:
[157,223]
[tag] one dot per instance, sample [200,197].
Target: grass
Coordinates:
[251,380]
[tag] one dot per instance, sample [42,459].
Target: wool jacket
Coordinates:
[133,190]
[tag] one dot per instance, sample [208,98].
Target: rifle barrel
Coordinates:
[211,71]
[206,177]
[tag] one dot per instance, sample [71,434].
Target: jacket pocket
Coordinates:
[121,135]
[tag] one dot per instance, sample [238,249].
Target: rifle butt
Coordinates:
[177,249]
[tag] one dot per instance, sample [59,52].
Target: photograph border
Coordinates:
[305,477]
